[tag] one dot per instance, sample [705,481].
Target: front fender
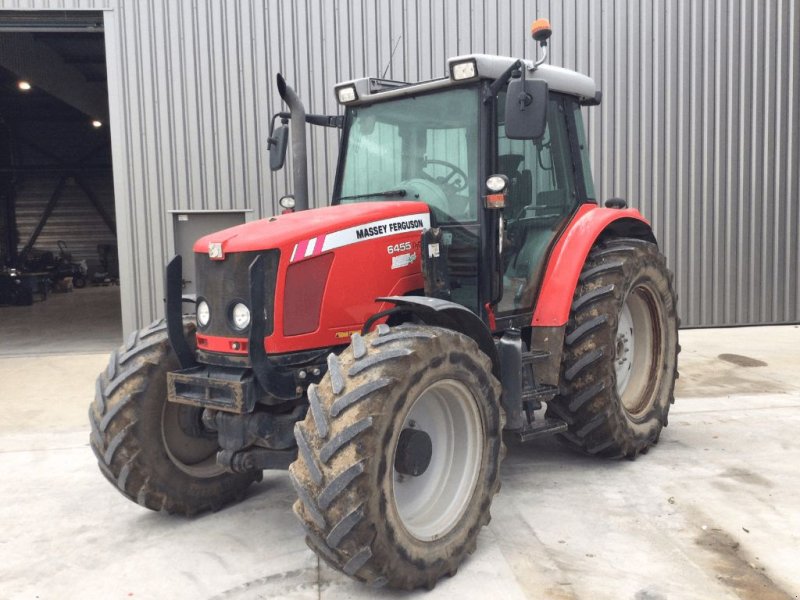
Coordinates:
[449,315]
[566,261]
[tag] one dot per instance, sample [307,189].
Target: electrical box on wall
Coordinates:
[190,225]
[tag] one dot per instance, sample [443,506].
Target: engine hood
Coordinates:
[320,229]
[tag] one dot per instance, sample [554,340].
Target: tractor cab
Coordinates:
[441,141]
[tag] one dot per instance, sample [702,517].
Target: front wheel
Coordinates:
[157,453]
[399,455]
[620,351]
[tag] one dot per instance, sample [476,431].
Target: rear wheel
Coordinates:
[399,455]
[620,354]
[155,452]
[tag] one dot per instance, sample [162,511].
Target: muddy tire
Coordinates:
[399,456]
[154,452]
[620,352]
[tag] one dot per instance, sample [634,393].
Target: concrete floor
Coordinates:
[80,321]
[712,512]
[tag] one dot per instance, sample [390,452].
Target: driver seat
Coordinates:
[520,183]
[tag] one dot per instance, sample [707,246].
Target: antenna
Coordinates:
[391,56]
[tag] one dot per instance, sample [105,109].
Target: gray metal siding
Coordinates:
[699,127]
[74,221]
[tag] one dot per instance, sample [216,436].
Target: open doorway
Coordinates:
[59,276]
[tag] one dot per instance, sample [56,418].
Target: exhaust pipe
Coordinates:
[299,153]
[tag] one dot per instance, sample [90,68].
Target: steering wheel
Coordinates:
[447,179]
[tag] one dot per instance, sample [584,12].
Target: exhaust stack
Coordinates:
[299,153]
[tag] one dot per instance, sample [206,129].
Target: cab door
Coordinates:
[545,188]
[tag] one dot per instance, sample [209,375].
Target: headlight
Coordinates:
[240,315]
[203,313]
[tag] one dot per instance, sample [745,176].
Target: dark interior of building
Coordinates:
[57,224]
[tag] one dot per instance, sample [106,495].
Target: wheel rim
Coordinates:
[638,350]
[431,504]
[195,456]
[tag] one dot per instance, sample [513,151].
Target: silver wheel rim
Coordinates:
[194,456]
[637,350]
[431,504]
[626,346]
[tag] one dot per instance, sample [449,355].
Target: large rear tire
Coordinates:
[620,353]
[399,456]
[155,452]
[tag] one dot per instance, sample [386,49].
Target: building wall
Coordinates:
[699,126]
[74,220]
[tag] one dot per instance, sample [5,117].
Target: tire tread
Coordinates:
[587,398]
[334,511]
[115,424]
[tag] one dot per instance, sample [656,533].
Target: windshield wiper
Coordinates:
[385,194]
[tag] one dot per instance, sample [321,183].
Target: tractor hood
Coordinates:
[331,266]
[310,232]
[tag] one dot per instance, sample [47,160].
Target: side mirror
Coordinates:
[526,109]
[277,147]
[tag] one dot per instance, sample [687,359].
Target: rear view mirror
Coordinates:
[277,147]
[526,109]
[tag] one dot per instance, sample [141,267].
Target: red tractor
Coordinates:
[463,278]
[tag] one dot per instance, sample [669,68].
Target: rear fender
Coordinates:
[569,255]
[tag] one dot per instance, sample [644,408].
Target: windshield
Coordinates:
[418,148]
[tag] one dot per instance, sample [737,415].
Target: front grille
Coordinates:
[223,283]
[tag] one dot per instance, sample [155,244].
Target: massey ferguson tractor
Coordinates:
[464,281]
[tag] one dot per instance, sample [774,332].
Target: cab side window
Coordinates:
[586,165]
[540,172]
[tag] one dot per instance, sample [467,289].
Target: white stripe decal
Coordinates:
[293,253]
[375,229]
[310,248]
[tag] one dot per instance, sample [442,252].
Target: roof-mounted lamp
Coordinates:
[541,32]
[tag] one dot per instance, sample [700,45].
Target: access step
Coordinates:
[537,394]
[541,428]
[534,355]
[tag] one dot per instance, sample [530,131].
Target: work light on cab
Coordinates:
[346,93]
[461,71]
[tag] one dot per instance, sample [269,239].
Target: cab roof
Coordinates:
[369,89]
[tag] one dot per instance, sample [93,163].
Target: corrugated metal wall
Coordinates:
[74,221]
[699,128]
